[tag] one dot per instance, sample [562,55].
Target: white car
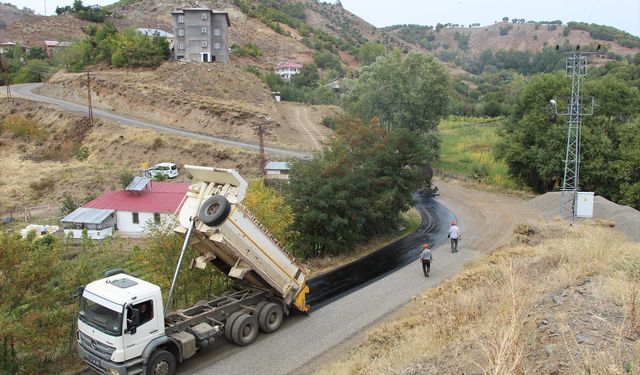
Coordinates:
[168,169]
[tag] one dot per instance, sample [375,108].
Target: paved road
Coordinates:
[25,91]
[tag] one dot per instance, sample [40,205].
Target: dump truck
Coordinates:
[122,326]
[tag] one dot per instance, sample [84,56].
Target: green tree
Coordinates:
[327,60]
[308,76]
[357,187]
[369,52]
[533,143]
[409,92]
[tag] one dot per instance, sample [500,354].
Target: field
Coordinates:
[467,150]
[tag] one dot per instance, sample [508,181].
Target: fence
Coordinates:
[29,214]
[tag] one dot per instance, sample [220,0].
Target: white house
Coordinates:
[129,212]
[288,70]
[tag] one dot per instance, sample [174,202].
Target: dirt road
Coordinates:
[486,219]
[303,121]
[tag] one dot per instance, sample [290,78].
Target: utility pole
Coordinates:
[5,76]
[261,132]
[576,68]
[89,104]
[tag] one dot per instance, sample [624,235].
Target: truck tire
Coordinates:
[161,363]
[228,325]
[244,330]
[270,317]
[214,210]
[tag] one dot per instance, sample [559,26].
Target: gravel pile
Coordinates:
[625,218]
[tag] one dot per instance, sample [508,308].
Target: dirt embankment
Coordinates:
[213,99]
[40,169]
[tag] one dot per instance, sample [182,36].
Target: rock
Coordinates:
[556,299]
[550,348]
[583,339]
[544,322]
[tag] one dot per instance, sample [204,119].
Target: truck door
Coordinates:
[148,328]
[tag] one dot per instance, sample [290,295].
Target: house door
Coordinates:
[205,57]
[213,58]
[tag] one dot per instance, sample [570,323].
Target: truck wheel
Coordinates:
[214,210]
[244,330]
[228,326]
[161,363]
[270,317]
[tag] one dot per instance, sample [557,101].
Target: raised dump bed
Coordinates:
[226,234]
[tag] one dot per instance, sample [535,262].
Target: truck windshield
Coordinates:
[105,317]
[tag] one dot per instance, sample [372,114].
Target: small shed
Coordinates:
[277,172]
[99,223]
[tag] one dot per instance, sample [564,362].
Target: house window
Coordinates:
[204,43]
[204,16]
[181,18]
[135,218]
[204,29]
[180,45]
[216,32]
[156,218]
[216,45]
[180,32]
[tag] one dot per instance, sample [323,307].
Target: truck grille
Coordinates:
[97,348]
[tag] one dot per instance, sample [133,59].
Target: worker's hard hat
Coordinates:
[425,245]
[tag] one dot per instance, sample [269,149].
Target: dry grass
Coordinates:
[564,301]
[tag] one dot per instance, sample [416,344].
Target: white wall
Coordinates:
[93,234]
[124,220]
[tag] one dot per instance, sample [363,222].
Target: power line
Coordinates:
[576,67]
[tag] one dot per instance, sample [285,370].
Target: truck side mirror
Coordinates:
[133,320]
[77,292]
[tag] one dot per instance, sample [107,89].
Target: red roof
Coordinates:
[163,197]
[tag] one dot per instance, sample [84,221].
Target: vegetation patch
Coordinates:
[467,150]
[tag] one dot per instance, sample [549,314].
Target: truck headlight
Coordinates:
[114,371]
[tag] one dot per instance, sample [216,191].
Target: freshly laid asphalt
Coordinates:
[344,312]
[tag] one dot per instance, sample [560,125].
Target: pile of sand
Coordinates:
[625,218]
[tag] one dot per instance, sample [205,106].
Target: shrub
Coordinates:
[22,127]
[125,176]
[44,183]
[246,50]
[80,152]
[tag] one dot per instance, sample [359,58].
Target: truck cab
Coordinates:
[120,316]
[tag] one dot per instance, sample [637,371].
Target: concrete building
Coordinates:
[201,34]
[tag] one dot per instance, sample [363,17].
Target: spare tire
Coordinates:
[214,210]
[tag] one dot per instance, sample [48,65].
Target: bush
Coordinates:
[125,176]
[246,50]
[330,122]
[22,127]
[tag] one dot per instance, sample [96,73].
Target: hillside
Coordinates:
[500,36]
[42,163]
[556,301]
